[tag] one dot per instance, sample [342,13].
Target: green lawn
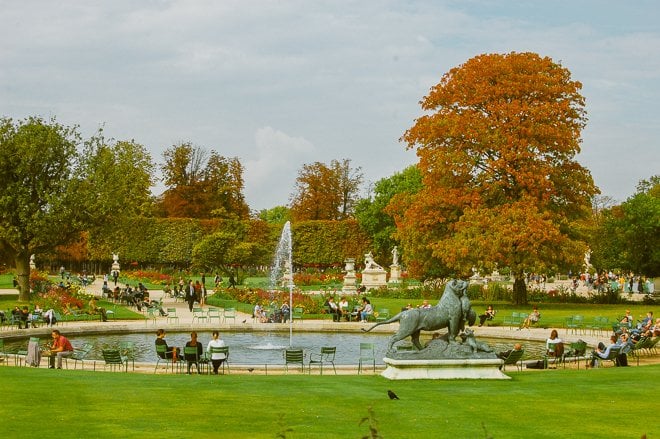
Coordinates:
[543,404]
[7,281]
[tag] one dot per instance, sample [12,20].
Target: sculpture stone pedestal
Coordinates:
[374,277]
[395,272]
[349,278]
[473,369]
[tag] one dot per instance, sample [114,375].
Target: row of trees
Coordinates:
[497,184]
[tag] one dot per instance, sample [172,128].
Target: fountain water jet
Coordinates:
[282,270]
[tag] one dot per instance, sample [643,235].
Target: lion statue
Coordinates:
[453,310]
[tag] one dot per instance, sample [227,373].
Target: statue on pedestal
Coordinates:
[395,256]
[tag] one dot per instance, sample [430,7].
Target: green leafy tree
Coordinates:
[497,150]
[372,214]
[275,215]
[628,235]
[118,177]
[41,198]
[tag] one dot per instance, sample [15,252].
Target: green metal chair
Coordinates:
[230,313]
[294,356]
[191,355]
[221,350]
[383,314]
[199,314]
[327,355]
[577,351]
[214,314]
[127,349]
[112,358]
[171,315]
[554,351]
[367,355]
[79,354]
[515,357]
[161,352]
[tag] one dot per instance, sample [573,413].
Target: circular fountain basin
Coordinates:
[263,347]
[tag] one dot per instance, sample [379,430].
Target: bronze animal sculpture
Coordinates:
[451,312]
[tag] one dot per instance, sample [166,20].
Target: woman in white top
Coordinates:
[554,345]
[216,357]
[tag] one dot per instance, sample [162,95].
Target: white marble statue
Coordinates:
[395,256]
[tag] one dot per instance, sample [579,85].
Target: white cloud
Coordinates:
[271,171]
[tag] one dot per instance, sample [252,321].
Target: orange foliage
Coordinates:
[496,150]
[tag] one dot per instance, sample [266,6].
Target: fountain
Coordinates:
[282,270]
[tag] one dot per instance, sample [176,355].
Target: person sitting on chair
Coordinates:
[217,358]
[504,354]
[487,315]
[170,352]
[365,310]
[333,309]
[95,309]
[602,351]
[531,319]
[190,358]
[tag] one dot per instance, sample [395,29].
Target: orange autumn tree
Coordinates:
[326,192]
[501,188]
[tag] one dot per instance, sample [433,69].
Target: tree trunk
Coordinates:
[22,260]
[519,290]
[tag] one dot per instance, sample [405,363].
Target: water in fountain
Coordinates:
[282,270]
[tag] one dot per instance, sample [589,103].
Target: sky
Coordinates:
[280,84]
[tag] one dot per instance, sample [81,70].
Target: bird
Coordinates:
[250,369]
[392,395]
[244,320]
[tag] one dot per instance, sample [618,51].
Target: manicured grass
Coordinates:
[543,404]
[7,281]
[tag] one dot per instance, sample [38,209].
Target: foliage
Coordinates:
[326,192]
[319,279]
[275,215]
[148,277]
[39,282]
[40,191]
[328,243]
[627,236]
[63,300]
[119,175]
[371,212]
[202,184]
[501,185]
[238,244]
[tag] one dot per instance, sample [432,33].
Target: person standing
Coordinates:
[190,295]
[217,358]
[60,348]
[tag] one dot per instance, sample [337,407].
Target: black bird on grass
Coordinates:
[250,369]
[392,395]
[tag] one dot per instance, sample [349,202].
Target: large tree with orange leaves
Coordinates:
[325,192]
[497,153]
